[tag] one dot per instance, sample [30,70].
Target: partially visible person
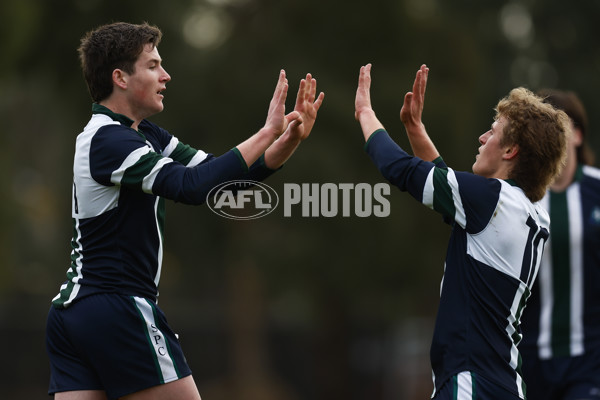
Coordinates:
[498,230]
[106,337]
[561,323]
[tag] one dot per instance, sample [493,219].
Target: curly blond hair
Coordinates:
[540,131]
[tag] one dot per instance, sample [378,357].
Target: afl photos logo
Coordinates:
[242,199]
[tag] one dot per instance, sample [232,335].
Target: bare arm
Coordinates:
[411,116]
[363,111]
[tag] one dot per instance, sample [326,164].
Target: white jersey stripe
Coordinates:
[460,217]
[591,171]
[546,296]
[428,190]
[197,159]
[74,283]
[510,330]
[576,245]
[131,159]
[160,245]
[464,386]
[170,147]
[157,341]
[511,322]
[92,199]
[149,179]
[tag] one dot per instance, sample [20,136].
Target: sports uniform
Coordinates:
[561,324]
[104,323]
[491,263]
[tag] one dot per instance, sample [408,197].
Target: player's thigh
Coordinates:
[81,395]
[181,389]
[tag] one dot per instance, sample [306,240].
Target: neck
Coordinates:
[121,108]
[503,172]
[563,181]
[565,178]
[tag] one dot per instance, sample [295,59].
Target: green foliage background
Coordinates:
[281,308]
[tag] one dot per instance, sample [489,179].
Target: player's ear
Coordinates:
[510,152]
[119,78]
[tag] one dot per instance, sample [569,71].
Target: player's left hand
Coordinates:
[412,109]
[307,106]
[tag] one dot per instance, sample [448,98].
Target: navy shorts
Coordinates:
[562,378]
[119,344]
[470,386]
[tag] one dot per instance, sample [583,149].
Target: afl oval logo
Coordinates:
[242,199]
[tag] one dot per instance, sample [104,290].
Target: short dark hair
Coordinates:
[570,103]
[112,46]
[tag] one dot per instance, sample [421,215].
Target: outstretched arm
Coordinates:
[410,115]
[363,111]
[297,131]
[277,122]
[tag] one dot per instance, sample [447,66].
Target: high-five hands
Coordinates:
[363,110]
[412,109]
[307,106]
[362,101]
[277,121]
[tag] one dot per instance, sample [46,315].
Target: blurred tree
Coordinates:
[325,297]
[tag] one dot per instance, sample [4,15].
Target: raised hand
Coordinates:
[362,101]
[363,111]
[412,109]
[411,116]
[277,122]
[307,106]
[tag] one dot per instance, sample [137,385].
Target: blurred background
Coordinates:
[276,308]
